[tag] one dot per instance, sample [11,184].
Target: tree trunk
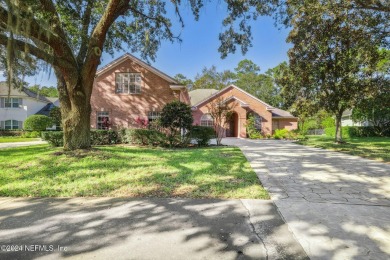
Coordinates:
[76,112]
[339,129]
[76,126]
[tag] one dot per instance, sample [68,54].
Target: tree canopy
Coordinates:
[70,37]
[333,60]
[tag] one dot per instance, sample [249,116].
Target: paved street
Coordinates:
[337,205]
[122,228]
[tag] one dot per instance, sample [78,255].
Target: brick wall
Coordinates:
[125,108]
[254,105]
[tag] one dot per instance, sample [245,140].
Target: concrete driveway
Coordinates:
[337,205]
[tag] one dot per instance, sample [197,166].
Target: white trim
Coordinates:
[269,107]
[127,56]
[243,104]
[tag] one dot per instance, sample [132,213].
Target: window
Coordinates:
[11,102]
[12,124]
[153,115]
[129,83]
[257,121]
[207,120]
[103,120]
[275,125]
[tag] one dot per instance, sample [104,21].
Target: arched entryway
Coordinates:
[232,126]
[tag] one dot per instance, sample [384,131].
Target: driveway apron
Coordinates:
[336,205]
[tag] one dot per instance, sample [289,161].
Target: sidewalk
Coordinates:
[19,144]
[120,228]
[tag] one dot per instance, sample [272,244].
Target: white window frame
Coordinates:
[128,83]
[153,115]
[11,102]
[207,120]
[99,119]
[14,124]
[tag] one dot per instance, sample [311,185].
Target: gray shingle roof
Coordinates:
[35,95]
[276,112]
[198,95]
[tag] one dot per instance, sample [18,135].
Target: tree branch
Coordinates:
[86,19]
[33,50]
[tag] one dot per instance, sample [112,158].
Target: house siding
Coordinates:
[29,106]
[124,109]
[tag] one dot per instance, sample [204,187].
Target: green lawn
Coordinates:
[40,171]
[12,139]
[377,148]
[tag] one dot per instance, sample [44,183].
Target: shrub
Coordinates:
[37,123]
[143,137]
[104,137]
[202,134]
[281,133]
[54,138]
[174,117]
[251,130]
[32,134]
[11,132]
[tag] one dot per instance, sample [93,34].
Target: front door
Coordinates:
[232,126]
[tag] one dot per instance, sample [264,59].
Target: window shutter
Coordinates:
[20,102]
[2,103]
[2,124]
[20,124]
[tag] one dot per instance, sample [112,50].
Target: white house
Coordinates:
[346,120]
[17,105]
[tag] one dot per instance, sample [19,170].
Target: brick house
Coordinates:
[267,118]
[128,91]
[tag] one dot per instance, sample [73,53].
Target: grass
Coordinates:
[118,171]
[377,148]
[16,139]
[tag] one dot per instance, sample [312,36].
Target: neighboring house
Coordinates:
[346,120]
[128,91]
[17,105]
[267,118]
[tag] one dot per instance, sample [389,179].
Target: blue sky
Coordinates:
[199,47]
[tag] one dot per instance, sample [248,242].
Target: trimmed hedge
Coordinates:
[104,137]
[202,134]
[37,123]
[54,138]
[356,131]
[11,132]
[98,137]
[143,137]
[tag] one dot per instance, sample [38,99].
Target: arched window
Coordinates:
[207,120]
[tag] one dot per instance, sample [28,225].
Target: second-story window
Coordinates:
[11,102]
[128,83]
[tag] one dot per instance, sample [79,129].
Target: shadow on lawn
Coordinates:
[124,171]
[146,229]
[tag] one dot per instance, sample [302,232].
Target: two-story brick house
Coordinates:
[128,89]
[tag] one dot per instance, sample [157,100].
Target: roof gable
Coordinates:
[24,92]
[269,107]
[128,56]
